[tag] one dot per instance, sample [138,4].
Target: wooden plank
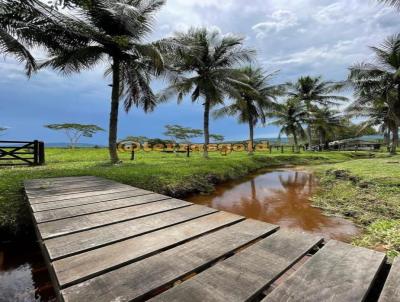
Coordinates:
[60,192]
[90,221]
[68,245]
[34,200]
[52,205]
[338,272]
[74,269]
[133,281]
[391,290]
[69,187]
[96,208]
[244,275]
[54,185]
[56,180]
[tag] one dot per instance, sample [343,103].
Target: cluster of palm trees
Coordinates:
[200,62]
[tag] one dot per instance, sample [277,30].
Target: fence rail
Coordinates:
[18,153]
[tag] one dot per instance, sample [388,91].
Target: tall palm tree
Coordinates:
[206,70]
[290,116]
[381,80]
[252,105]
[110,32]
[395,3]
[312,91]
[325,120]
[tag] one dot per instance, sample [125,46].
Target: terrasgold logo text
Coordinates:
[223,148]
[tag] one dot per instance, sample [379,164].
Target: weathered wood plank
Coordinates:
[50,193]
[391,290]
[53,205]
[86,265]
[68,245]
[90,221]
[96,208]
[70,188]
[35,200]
[133,281]
[244,275]
[33,182]
[54,185]
[338,272]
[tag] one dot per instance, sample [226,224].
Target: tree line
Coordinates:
[217,71]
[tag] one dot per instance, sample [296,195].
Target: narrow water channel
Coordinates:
[279,196]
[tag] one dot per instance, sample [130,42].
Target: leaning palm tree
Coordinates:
[252,105]
[381,80]
[206,70]
[313,92]
[395,3]
[290,116]
[107,32]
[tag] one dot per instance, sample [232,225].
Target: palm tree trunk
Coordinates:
[206,126]
[112,136]
[296,144]
[309,135]
[251,136]
[395,140]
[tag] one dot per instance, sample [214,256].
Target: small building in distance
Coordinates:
[355,144]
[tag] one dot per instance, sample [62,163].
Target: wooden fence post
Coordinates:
[41,155]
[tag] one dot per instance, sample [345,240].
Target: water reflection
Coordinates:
[23,275]
[280,197]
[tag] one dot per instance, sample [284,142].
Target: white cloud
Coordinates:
[278,21]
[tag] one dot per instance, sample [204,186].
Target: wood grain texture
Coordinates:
[133,281]
[57,180]
[96,208]
[52,205]
[55,193]
[36,200]
[244,275]
[338,272]
[391,290]
[67,245]
[68,185]
[90,221]
[92,263]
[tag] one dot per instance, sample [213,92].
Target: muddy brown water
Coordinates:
[279,196]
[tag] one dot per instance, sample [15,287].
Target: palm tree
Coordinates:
[325,121]
[381,80]
[290,116]
[206,70]
[312,92]
[395,3]
[96,31]
[252,105]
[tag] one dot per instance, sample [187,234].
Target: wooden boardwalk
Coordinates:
[105,241]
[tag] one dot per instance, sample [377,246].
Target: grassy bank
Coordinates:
[169,174]
[368,192]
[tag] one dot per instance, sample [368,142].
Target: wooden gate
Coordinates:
[17,153]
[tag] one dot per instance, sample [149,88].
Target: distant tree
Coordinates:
[313,91]
[325,121]
[206,71]
[290,116]
[217,138]
[252,106]
[75,131]
[2,130]
[138,139]
[182,134]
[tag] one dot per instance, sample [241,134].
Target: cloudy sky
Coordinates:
[296,37]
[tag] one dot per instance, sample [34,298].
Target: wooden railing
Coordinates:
[17,153]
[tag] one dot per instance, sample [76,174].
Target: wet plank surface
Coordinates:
[105,241]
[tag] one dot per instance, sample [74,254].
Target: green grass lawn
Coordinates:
[170,174]
[368,192]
